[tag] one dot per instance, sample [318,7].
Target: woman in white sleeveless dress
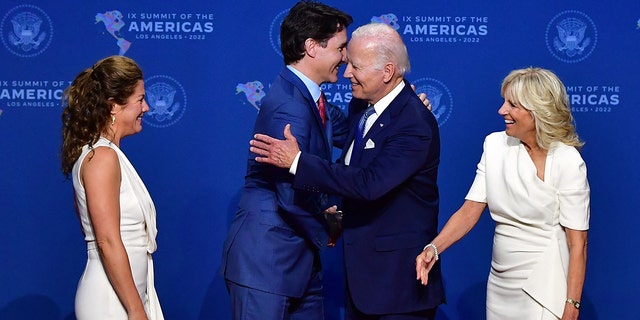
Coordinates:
[534,182]
[104,104]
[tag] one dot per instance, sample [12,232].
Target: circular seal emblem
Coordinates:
[274,31]
[167,101]
[439,96]
[571,36]
[26,31]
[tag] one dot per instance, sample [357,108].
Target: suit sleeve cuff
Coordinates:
[294,165]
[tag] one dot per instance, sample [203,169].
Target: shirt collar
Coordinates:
[313,87]
[383,103]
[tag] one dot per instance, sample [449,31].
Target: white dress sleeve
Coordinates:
[569,174]
[478,190]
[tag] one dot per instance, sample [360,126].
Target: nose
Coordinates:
[145,106]
[504,109]
[344,55]
[348,71]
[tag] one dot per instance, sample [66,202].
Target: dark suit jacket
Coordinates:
[274,239]
[390,205]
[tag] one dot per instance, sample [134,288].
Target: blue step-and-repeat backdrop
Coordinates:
[207,66]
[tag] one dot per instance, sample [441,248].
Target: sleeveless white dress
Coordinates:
[528,278]
[95,297]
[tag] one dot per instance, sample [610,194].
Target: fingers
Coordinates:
[424,263]
[259,144]
[331,210]
[263,138]
[287,132]
[422,273]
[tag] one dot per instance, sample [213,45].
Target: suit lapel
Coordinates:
[384,121]
[313,108]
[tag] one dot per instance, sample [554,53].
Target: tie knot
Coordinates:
[369,111]
[321,99]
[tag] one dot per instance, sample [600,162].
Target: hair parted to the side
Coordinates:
[87,104]
[309,19]
[387,43]
[542,93]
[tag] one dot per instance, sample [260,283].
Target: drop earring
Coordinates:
[113,119]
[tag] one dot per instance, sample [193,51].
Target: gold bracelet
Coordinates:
[574,303]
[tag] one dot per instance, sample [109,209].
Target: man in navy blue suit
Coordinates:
[388,181]
[271,260]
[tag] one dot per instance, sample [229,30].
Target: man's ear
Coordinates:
[310,46]
[389,70]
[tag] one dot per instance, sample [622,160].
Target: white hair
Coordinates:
[387,44]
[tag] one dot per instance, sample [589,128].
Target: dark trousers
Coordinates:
[249,303]
[352,313]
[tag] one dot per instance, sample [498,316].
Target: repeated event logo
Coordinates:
[167,101]
[274,31]
[439,96]
[594,98]
[338,94]
[571,36]
[172,26]
[437,28]
[253,92]
[26,31]
[32,93]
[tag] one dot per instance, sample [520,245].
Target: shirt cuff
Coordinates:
[294,165]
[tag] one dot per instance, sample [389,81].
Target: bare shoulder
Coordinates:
[102,161]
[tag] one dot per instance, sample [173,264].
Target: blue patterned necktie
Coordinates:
[361,126]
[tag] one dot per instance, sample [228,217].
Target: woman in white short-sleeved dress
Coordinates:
[104,104]
[534,181]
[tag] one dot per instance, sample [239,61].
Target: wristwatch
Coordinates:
[575,303]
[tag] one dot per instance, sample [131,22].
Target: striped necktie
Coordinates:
[361,126]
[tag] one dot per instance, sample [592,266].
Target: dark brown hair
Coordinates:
[87,104]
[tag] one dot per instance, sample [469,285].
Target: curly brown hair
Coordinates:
[88,101]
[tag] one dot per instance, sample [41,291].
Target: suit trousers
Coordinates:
[252,304]
[352,313]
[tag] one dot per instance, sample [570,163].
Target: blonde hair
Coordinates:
[542,93]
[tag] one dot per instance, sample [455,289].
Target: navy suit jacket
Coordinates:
[390,205]
[274,239]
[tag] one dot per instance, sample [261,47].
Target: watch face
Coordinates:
[577,304]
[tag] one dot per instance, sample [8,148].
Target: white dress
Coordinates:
[528,278]
[95,297]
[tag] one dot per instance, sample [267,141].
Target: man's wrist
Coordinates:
[294,164]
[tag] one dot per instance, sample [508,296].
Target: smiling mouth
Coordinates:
[509,121]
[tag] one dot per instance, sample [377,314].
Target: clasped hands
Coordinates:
[334,221]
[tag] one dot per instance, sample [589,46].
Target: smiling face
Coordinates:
[518,120]
[330,57]
[367,81]
[128,117]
